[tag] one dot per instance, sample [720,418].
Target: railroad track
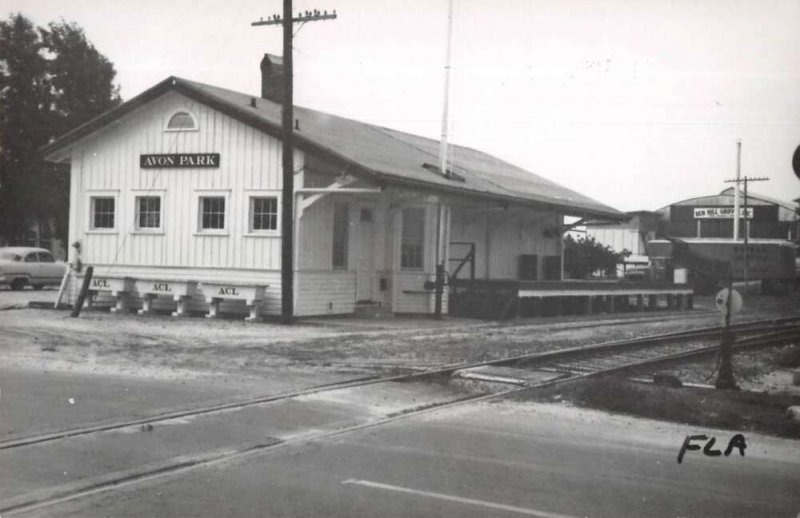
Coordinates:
[525,360]
[616,358]
[567,364]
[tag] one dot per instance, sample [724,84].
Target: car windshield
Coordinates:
[10,256]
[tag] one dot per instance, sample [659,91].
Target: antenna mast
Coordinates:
[445,109]
[441,217]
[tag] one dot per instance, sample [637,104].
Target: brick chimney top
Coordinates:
[272,78]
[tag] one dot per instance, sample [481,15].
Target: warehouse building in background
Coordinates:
[770,227]
[711,217]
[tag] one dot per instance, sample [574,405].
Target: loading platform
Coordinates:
[503,299]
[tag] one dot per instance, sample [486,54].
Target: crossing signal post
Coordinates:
[287,21]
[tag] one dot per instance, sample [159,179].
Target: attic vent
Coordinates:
[451,175]
[181,121]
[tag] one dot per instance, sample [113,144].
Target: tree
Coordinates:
[585,256]
[51,80]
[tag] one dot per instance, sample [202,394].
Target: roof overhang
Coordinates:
[60,149]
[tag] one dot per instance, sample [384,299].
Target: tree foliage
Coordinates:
[584,257]
[52,79]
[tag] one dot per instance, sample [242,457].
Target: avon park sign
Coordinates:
[179,161]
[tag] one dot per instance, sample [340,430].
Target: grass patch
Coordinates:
[740,411]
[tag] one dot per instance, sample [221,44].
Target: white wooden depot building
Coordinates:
[175,200]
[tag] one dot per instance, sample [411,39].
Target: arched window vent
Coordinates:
[181,121]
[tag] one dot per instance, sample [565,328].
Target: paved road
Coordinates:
[36,402]
[33,471]
[507,459]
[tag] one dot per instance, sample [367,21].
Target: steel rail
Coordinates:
[707,332]
[783,337]
[178,465]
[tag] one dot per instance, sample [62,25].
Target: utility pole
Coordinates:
[736,191]
[745,180]
[287,120]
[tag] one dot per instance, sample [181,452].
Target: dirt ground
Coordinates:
[162,347]
[754,371]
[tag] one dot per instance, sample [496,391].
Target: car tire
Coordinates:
[18,284]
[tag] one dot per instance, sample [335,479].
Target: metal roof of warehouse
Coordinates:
[389,156]
[786,212]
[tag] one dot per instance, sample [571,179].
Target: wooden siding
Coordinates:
[410,295]
[619,239]
[500,237]
[108,163]
[315,235]
[325,292]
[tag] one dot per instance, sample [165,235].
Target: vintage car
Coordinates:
[21,266]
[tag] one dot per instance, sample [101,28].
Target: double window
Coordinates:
[412,241]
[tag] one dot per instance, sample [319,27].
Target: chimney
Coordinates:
[272,78]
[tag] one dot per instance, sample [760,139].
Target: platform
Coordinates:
[508,298]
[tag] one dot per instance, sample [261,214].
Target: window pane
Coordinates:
[46,257]
[413,238]
[149,209]
[102,212]
[212,213]
[264,213]
[181,120]
[31,258]
[340,226]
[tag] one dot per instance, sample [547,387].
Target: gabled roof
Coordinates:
[386,155]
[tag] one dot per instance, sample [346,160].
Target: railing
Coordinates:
[469,258]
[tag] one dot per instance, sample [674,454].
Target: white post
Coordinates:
[445,108]
[62,288]
[736,190]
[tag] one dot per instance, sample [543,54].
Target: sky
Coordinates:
[636,103]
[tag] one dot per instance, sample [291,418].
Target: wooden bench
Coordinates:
[119,288]
[216,292]
[180,291]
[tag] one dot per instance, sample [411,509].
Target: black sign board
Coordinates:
[796,161]
[179,161]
